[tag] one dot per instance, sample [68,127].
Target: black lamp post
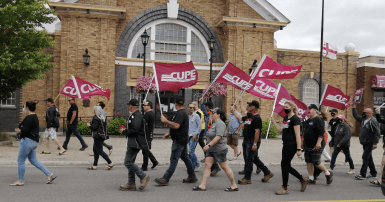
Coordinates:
[211,43]
[86,58]
[145,38]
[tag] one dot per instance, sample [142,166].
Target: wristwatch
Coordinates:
[209,145]
[254,144]
[299,149]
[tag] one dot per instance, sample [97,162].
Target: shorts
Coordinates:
[219,157]
[50,134]
[232,139]
[312,156]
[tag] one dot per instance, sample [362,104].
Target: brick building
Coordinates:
[179,30]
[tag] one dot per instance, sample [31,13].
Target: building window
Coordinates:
[197,94]
[9,101]
[310,93]
[171,41]
[381,61]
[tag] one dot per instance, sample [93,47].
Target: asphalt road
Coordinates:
[79,184]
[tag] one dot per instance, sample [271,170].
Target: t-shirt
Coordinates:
[333,124]
[30,127]
[314,128]
[73,107]
[251,124]
[288,132]
[149,117]
[217,129]
[180,135]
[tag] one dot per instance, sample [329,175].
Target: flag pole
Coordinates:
[56,98]
[321,52]
[275,101]
[157,88]
[76,86]
[145,98]
[223,68]
[323,95]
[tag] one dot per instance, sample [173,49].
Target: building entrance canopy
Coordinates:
[378,81]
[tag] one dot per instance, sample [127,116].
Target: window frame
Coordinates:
[304,92]
[9,106]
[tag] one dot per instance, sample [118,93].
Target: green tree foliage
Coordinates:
[83,128]
[20,43]
[272,132]
[114,126]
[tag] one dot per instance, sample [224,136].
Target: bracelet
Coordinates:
[209,145]
[299,149]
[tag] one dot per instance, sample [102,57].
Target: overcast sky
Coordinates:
[346,21]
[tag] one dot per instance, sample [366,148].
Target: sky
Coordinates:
[346,21]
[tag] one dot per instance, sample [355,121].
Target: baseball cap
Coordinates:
[334,110]
[341,117]
[313,106]
[133,102]
[254,103]
[209,104]
[49,100]
[179,101]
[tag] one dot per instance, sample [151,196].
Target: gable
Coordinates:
[266,10]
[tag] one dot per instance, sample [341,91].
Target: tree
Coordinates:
[20,43]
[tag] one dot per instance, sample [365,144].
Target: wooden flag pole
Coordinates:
[56,98]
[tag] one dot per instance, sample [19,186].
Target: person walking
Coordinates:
[201,135]
[313,143]
[193,132]
[179,125]
[291,139]
[216,151]
[109,147]
[382,121]
[369,136]
[149,117]
[333,124]
[326,135]
[342,137]
[52,120]
[251,137]
[98,128]
[233,131]
[72,125]
[29,138]
[136,140]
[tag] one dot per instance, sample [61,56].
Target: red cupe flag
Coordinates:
[334,97]
[173,77]
[303,110]
[282,96]
[269,69]
[83,89]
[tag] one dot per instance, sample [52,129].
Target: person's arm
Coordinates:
[171,124]
[219,132]
[197,128]
[238,116]
[94,124]
[165,136]
[320,125]
[136,123]
[377,133]
[73,116]
[278,127]
[50,117]
[297,129]
[379,119]
[203,109]
[355,115]
[346,137]
[26,125]
[239,128]
[243,108]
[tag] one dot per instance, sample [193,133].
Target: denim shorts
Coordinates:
[219,156]
[313,156]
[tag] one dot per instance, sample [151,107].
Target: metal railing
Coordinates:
[81,118]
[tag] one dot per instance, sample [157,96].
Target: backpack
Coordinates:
[56,119]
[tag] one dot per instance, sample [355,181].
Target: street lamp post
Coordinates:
[145,38]
[211,43]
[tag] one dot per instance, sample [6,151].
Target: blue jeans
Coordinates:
[28,149]
[98,151]
[367,160]
[129,162]
[191,151]
[73,129]
[252,157]
[336,151]
[179,151]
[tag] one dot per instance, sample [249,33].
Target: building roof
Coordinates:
[266,10]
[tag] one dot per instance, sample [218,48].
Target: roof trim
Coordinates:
[266,10]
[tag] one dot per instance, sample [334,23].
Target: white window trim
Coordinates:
[9,106]
[169,21]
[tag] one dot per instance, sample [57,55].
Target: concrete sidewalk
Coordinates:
[269,153]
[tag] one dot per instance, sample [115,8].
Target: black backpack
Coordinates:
[56,119]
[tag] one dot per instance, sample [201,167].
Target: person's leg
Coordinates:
[185,158]
[96,154]
[68,136]
[310,169]
[365,159]
[259,163]
[326,155]
[56,141]
[348,157]
[285,162]
[47,144]
[250,155]
[32,158]
[176,151]
[77,134]
[109,147]
[24,150]
[225,167]
[192,155]
[145,159]
[334,157]
[206,173]
[129,162]
[99,149]
[201,140]
[372,167]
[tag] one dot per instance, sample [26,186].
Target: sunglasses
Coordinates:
[191,107]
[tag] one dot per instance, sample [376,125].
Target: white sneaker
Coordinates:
[239,153]
[233,159]
[351,172]
[197,167]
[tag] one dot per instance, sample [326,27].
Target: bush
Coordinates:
[83,129]
[272,132]
[4,137]
[114,126]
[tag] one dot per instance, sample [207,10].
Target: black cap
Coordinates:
[49,100]
[313,106]
[254,103]
[209,104]
[133,102]
[179,101]
[334,110]
[218,111]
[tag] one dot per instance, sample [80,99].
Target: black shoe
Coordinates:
[190,180]
[258,171]
[360,177]
[58,148]
[241,172]
[311,182]
[215,172]
[329,178]
[154,165]
[83,148]
[143,169]
[370,176]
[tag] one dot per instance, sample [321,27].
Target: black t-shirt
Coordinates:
[251,124]
[30,127]
[333,124]
[288,132]
[149,117]
[314,128]
[73,107]
[180,135]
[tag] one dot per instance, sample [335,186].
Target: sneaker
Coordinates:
[360,177]
[370,176]
[215,172]
[267,177]
[327,161]
[144,169]
[83,148]
[128,187]
[190,180]
[311,182]
[238,154]
[144,181]
[196,169]
[282,191]
[329,178]
[244,181]
[241,172]
[351,172]
[303,184]
[233,159]
[161,181]
[258,171]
